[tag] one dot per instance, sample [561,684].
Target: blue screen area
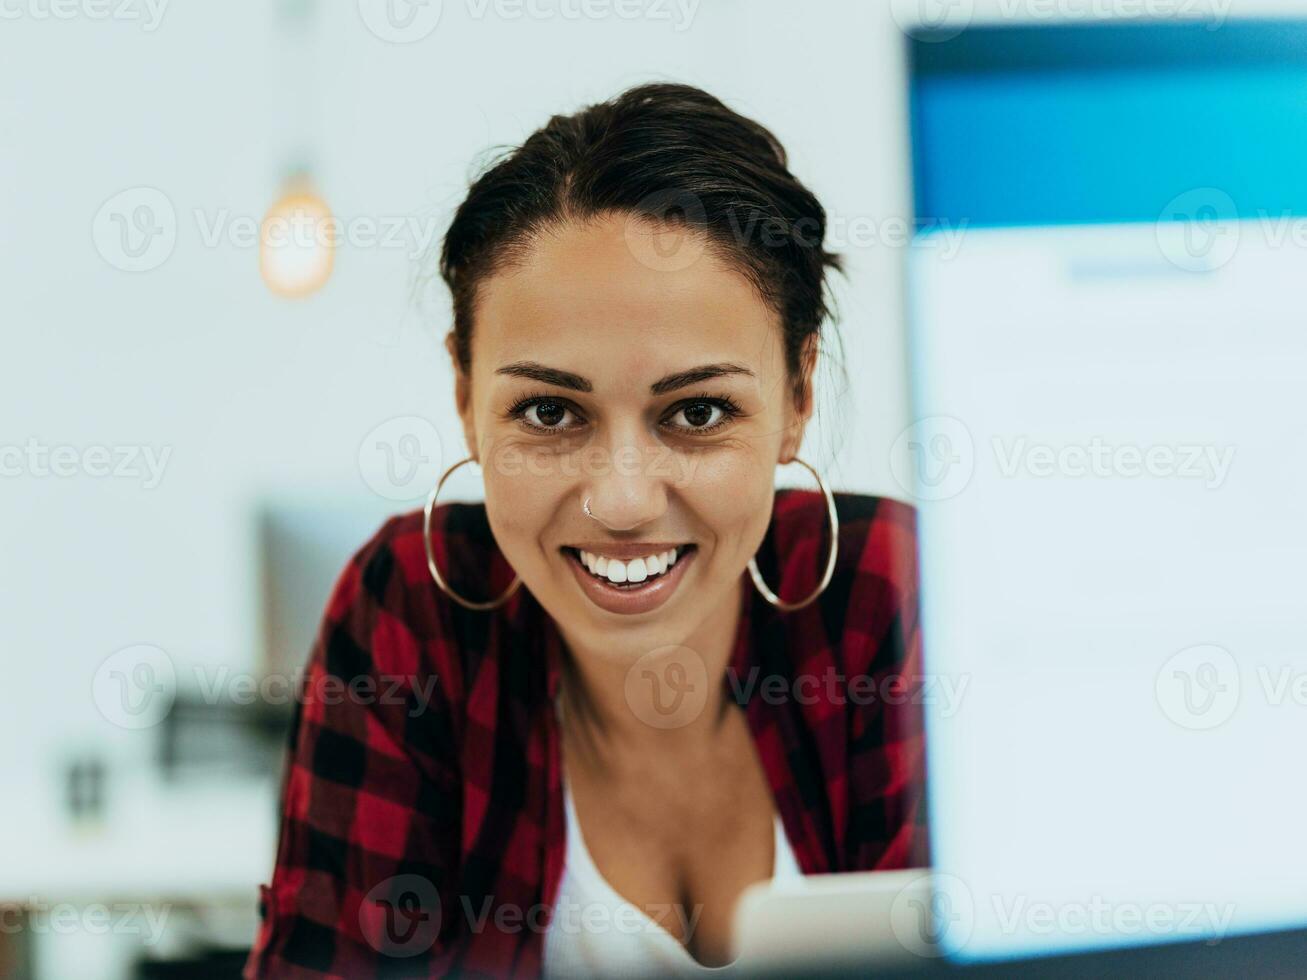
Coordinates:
[1107,123]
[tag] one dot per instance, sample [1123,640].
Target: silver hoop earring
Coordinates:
[431,556]
[771,596]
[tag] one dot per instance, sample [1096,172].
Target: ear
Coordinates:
[462,396]
[803,400]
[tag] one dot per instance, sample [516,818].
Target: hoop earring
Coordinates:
[771,596]
[431,556]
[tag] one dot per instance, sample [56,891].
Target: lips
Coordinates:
[630,583]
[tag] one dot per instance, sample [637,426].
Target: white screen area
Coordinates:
[1111,474]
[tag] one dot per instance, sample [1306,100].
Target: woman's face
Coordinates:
[626,365]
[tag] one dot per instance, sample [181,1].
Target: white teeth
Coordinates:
[635,570]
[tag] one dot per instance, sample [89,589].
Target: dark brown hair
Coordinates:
[668,152]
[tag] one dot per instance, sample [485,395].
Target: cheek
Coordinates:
[520,506]
[731,494]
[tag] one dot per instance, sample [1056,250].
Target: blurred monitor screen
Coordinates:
[1109,355]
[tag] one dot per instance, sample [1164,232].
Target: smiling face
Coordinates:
[653,391]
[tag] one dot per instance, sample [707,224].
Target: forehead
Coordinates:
[616,299]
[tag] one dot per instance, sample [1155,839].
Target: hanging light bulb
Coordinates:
[298,237]
[297,242]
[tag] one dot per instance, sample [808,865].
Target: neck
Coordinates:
[670,693]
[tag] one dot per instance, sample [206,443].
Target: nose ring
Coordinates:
[585,506]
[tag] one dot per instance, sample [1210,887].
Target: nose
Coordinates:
[625,490]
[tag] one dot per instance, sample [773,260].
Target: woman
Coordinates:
[638,679]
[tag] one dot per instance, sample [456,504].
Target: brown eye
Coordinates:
[545,414]
[550,413]
[698,414]
[701,416]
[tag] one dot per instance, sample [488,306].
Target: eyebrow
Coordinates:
[671,382]
[551,376]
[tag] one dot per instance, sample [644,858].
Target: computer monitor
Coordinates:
[1109,349]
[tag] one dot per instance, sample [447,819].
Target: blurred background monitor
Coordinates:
[1107,387]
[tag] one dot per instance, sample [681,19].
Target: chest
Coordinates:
[679,837]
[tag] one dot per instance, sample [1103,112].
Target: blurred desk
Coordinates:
[179,862]
[159,841]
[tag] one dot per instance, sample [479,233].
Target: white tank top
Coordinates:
[594,932]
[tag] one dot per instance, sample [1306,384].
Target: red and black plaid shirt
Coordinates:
[422,823]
